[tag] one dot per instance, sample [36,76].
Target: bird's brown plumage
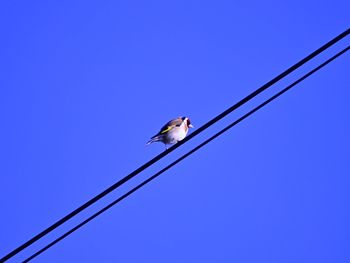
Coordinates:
[171,124]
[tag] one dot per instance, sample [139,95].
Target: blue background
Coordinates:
[84,85]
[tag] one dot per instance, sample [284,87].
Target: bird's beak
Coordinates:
[191,126]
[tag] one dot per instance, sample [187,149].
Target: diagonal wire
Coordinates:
[186,155]
[163,154]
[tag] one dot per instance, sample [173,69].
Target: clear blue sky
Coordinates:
[85,84]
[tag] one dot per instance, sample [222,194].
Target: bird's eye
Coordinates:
[188,122]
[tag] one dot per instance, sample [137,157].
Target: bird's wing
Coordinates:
[171,124]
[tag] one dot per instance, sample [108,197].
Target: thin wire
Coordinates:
[163,154]
[186,155]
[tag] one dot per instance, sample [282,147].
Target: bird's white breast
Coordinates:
[177,134]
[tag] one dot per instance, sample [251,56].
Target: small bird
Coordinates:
[172,132]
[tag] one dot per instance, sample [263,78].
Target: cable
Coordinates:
[163,154]
[186,155]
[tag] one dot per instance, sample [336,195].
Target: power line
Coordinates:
[186,155]
[163,154]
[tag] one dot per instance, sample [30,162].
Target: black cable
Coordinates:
[163,154]
[187,154]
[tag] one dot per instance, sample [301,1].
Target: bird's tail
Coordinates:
[153,139]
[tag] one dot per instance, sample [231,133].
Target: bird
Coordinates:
[172,132]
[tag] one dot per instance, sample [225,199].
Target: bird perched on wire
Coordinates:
[172,132]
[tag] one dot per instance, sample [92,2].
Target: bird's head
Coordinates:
[188,122]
